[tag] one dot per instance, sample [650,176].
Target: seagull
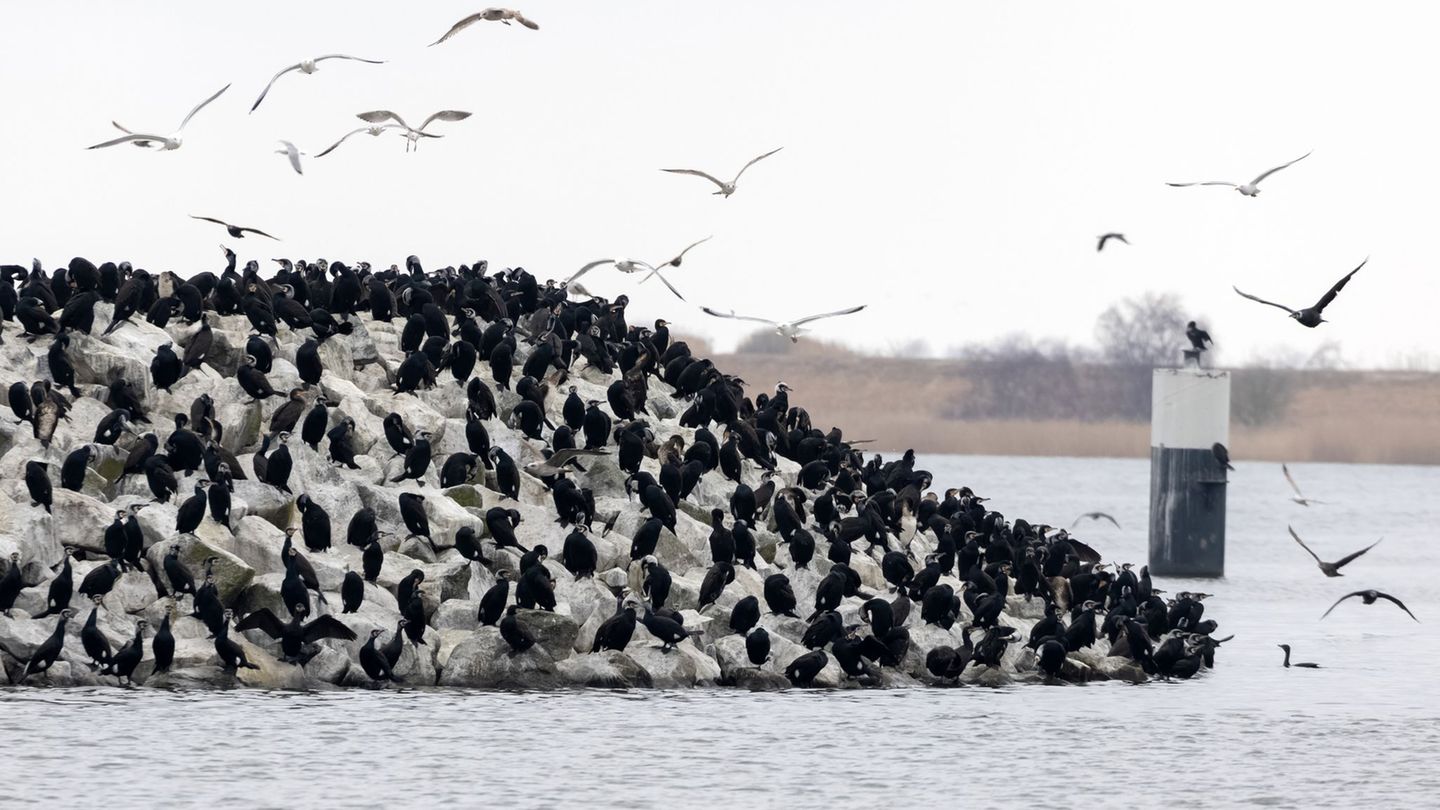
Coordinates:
[504,15]
[559,462]
[309,66]
[1307,665]
[235,230]
[1299,496]
[791,329]
[1310,316]
[291,152]
[165,142]
[1332,569]
[412,135]
[726,189]
[1097,516]
[372,130]
[1369,598]
[1106,237]
[675,262]
[1198,337]
[1249,189]
[625,266]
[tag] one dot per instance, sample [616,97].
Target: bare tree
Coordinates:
[1144,331]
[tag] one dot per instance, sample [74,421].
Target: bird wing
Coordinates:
[1307,548]
[273,79]
[343,139]
[259,232]
[348,56]
[445,115]
[458,27]
[134,136]
[563,457]
[1343,598]
[1084,551]
[262,619]
[587,268]
[1205,183]
[1262,300]
[666,282]
[377,116]
[1398,603]
[1339,285]
[212,219]
[709,311]
[1099,515]
[697,173]
[1264,175]
[1286,469]
[201,106]
[328,627]
[753,162]
[676,260]
[1345,560]
[527,23]
[294,155]
[809,318]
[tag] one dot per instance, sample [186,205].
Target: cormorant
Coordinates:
[514,634]
[1305,664]
[1369,597]
[1330,569]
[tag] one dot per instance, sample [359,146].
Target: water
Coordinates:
[1366,727]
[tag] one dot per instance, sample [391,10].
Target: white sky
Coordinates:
[948,163]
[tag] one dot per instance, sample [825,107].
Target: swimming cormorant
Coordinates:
[1305,664]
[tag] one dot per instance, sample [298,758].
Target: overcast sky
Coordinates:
[949,164]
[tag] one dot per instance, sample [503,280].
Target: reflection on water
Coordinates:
[1250,732]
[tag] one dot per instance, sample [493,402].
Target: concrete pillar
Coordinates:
[1189,413]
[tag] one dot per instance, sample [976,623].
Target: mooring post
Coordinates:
[1189,414]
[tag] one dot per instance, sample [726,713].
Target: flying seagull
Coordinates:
[559,462]
[374,129]
[626,266]
[292,153]
[165,142]
[790,329]
[1106,237]
[1369,598]
[726,189]
[1299,496]
[1310,316]
[1249,189]
[309,66]
[675,262]
[1332,569]
[1198,337]
[412,135]
[1096,516]
[504,15]
[235,230]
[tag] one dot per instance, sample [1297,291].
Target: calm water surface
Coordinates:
[1365,728]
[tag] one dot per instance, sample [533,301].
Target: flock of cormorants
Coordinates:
[813,552]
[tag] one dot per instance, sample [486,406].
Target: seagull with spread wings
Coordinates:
[1330,569]
[789,329]
[726,189]
[1310,316]
[1249,189]
[1096,516]
[631,266]
[235,231]
[373,129]
[1299,496]
[288,150]
[1369,597]
[308,66]
[166,143]
[412,134]
[675,262]
[502,15]
[1106,237]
